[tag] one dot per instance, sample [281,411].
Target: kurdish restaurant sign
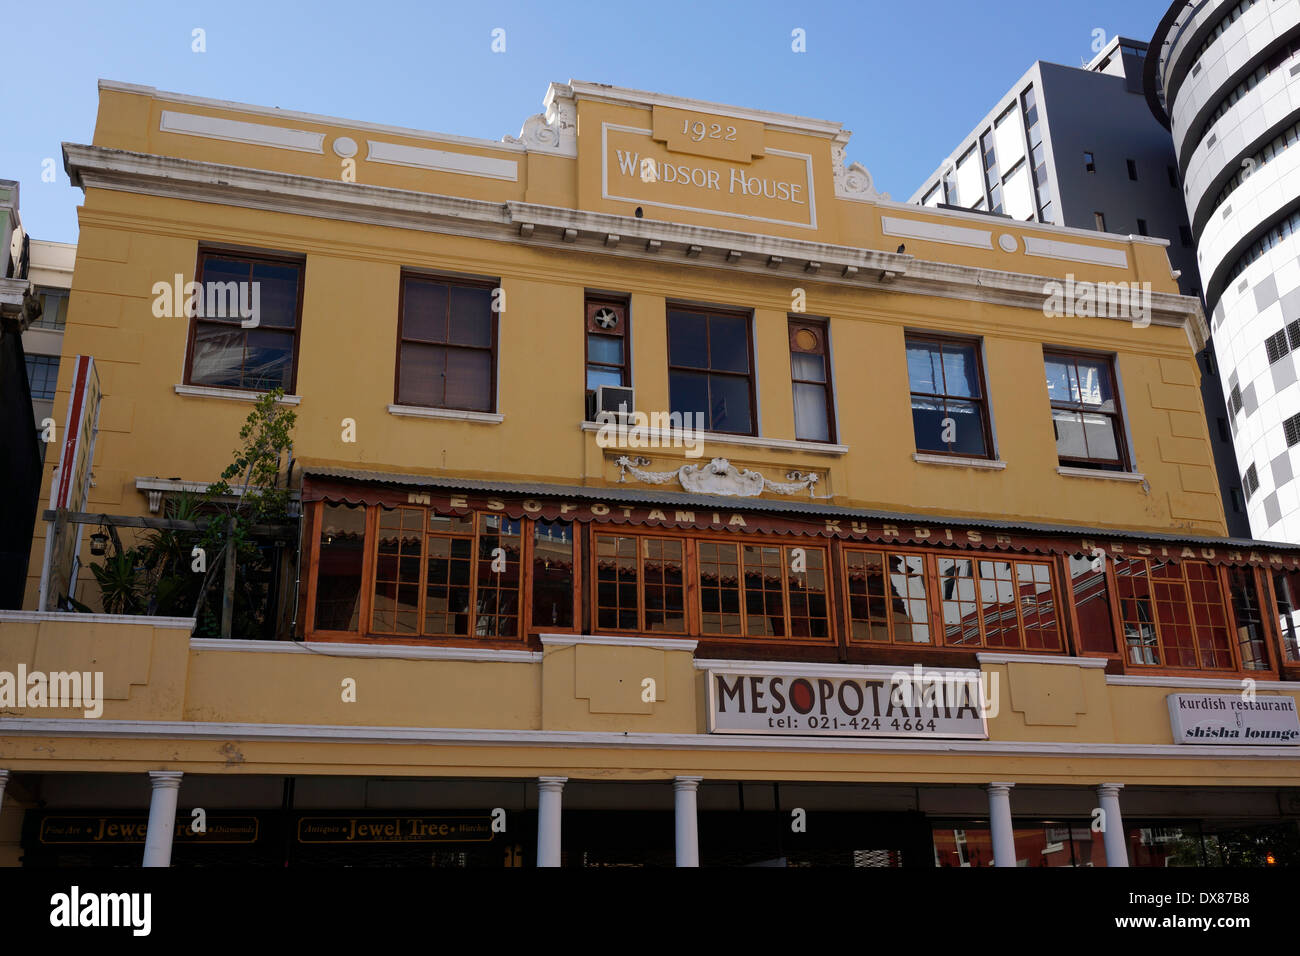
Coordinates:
[323,488]
[878,702]
[1230,719]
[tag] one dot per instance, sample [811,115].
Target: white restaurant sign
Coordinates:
[874,702]
[1230,719]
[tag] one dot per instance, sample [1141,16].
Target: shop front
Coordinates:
[407,560]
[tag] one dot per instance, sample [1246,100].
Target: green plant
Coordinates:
[120,585]
[159,575]
[168,559]
[256,497]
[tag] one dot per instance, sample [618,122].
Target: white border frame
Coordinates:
[845,672]
[605,194]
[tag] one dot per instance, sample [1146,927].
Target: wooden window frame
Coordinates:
[493,350]
[1277,640]
[1230,618]
[529,628]
[1262,595]
[931,596]
[591,305]
[934,599]
[986,421]
[689,593]
[822,329]
[1075,634]
[839,643]
[206,251]
[313,515]
[1125,462]
[750,376]
[745,638]
[1015,560]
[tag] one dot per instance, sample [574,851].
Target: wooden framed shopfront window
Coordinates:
[500,573]
[760,590]
[425,577]
[972,601]
[639,583]
[1190,615]
[1285,601]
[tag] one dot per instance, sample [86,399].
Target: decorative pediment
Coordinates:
[554,130]
[852,181]
[718,477]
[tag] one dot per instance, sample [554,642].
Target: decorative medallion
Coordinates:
[718,477]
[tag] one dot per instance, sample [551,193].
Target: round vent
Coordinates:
[606,318]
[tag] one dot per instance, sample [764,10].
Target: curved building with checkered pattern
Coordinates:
[1224,76]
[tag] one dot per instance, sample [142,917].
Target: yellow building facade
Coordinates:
[906,547]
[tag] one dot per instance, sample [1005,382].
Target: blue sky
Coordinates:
[909,79]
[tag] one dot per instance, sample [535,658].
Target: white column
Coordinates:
[549,791]
[4,782]
[162,817]
[1000,828]
[688,834]
[1113,834]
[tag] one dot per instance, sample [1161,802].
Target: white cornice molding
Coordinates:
[842,671]
[959,461]
[380,651]
[574,230]
[1133,476]
[168,730]
[1195,684]
[70,617]
[155,488]
[658,643]
[675,438]
[741,249]
[1097,662]
[232,394]
[11,294]
[446,414]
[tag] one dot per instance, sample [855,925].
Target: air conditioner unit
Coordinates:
[614,401]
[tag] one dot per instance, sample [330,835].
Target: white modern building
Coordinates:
[50,273]
[1077,146]
[1224,77]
